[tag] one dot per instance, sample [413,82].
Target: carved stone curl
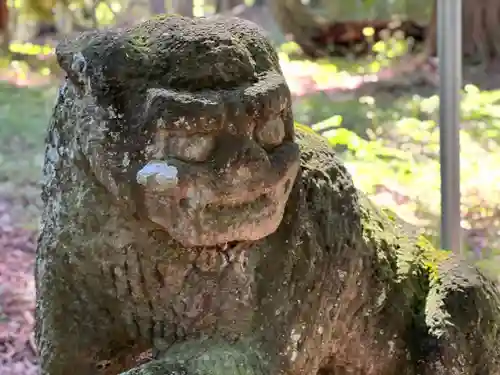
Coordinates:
[179,215]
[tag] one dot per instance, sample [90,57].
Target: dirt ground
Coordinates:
[17,293]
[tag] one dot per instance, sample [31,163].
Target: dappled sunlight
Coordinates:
[306,77]
[20,78]
[391,146]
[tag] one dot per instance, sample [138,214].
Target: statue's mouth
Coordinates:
[245,215]
[260,205]
[199,207]
[226,248]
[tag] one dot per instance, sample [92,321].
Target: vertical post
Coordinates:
[449,35]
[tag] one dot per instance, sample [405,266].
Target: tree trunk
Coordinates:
[297,21]
[157,7]
[431,33]
[226,5]
[183,7]
[481,34]
[226,253]
[480,38]
[261,15]
[319,37]
[4,27]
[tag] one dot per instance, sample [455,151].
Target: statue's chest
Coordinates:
[181,294]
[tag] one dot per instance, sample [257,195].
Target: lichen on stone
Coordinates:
[258,257]
[171,51]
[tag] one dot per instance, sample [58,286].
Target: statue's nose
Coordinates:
[239,169]
[241,160]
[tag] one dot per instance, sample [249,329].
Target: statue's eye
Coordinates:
[271,133]
[192,148]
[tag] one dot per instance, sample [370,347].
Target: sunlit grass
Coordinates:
[24,116]
[391,146]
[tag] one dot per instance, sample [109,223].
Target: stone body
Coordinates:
[181,217]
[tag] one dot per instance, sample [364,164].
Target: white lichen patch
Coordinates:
[293,346]
[113,113]
[126,160]
[193,148]
[158,175]
[79,64]
[79,67]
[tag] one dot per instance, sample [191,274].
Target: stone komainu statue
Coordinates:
[184,213]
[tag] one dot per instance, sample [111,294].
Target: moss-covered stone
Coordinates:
[169,51]
[254,258]
[208,357]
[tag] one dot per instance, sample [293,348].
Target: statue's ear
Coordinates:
[71,57]
[103,65]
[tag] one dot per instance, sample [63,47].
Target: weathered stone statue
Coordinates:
[183,214]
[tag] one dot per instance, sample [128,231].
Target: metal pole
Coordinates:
[449,42]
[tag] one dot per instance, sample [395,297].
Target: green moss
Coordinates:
[174,52]
[207,357]
[157,368]
[406,262]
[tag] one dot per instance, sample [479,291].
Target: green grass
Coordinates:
[390,143]
[24,116]
[391,146]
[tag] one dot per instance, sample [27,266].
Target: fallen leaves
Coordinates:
[17,298]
